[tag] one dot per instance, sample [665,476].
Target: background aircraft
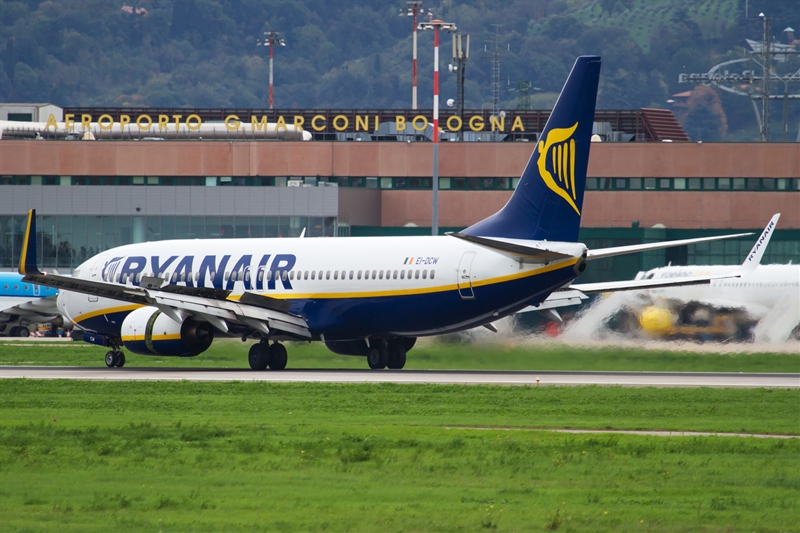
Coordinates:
[23,304]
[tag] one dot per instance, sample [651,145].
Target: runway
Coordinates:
[443,377]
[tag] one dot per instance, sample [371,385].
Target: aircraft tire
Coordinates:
[278,356]
[120,360]
[397,356]
[258,357]
[23,332]
[111,359]
[377,358]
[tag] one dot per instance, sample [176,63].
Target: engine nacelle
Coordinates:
[148,331]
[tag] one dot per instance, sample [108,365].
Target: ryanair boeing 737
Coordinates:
[368,297]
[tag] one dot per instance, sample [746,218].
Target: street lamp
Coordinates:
[436,25]
[271,38]
[413,7]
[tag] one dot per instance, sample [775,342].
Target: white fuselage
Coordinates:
[343,287]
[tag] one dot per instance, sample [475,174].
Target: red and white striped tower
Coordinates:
[413,8]
[271,38]
[436,25]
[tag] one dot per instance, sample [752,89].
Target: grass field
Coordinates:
[230,353]
[92,456]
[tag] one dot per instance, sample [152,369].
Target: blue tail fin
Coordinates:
[547,202]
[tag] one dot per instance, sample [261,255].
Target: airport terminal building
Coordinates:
[361,174]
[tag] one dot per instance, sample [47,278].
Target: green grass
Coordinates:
[229,353]
[93,456]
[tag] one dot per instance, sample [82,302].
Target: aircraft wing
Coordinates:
[750,263]
[259,312]
[44,307]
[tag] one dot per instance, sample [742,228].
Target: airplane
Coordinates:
[767,299]
[24,303]
[361,296]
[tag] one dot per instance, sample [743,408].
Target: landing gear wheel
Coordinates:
[111,359]
[120,360]
[277,357]
[23,332]
[377,358]
[258,356]
[397,356]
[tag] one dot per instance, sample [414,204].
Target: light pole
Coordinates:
[436,25]
[271,38]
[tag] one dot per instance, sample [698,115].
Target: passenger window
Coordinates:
[25,287]
[424,274]
[305,274]
[374,274]
[320,274]
[416,274]
[344,274]
[227,276]
[351,274]
[335,274]
[269,275]
[5,286]
[16,287]
[433,274]
[328,274]
[313,274]
[409,274]
[291,274]
[284,275]
[359,274]
[394,276]
[402,274]
[380,276]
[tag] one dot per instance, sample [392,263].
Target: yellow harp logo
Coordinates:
[561,150]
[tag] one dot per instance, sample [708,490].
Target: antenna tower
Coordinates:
[495,54]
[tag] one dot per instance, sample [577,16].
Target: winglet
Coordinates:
[755,255]
[27,260]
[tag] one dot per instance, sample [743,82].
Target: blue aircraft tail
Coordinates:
[548,200]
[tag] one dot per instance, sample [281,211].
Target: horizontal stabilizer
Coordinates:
[520,252]
[750,263]
[635,248]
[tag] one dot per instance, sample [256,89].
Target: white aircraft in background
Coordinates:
[361,296]
[768,297]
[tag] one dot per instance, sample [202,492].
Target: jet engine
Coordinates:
[148,331]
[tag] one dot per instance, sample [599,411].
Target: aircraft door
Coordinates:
[36,289]
[464,276]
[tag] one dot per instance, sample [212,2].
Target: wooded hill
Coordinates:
[357,53]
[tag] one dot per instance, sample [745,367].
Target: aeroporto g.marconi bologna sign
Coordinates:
[318,122]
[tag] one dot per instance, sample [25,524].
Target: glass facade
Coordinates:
[693,184]
[413,183]
[66,241]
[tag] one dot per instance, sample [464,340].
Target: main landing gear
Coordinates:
[263,355]
[387,354]
[115,358]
